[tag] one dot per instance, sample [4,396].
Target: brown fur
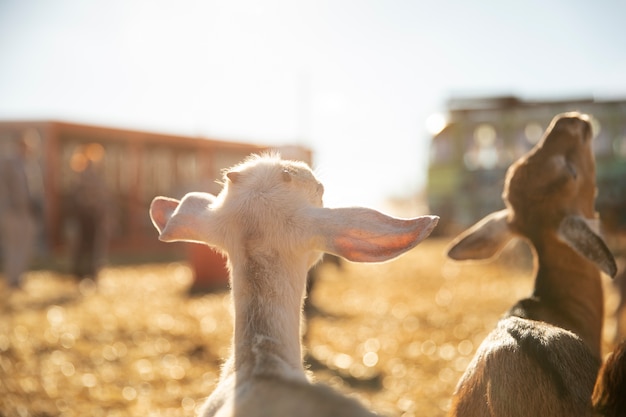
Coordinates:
[609,394]
[543,356]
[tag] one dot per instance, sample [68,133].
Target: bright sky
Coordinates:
[355,80]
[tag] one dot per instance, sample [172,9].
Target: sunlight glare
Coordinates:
[435,123]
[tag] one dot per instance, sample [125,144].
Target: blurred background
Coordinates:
[410,107]
[355,81]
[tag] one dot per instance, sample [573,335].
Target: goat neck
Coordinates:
[567,292]
[267,317]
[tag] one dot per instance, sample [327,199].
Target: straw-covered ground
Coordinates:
[397,335]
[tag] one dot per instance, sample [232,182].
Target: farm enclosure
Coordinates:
[398,335]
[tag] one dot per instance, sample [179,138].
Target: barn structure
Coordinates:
[135,167]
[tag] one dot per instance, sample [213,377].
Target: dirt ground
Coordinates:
[396,335]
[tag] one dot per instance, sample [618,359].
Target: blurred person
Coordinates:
[21,207]
[90,202]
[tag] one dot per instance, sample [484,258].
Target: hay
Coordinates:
[396,335]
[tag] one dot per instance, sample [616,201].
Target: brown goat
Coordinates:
[544,354]
[609,394]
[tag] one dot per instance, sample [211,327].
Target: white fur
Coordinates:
[270,221]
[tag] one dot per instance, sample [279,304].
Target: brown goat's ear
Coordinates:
[577,234]
[484,240]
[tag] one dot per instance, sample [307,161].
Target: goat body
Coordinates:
[543,356]
[609,393]
[265,395]
[270,221]
[526,368]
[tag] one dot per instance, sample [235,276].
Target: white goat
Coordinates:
[270,222]
[543,356]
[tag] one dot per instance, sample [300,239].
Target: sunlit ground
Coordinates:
[396,335]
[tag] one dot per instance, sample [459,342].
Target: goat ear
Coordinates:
[161,210]
[186,221]
[484,240]
[577,234]
[365,235]
[233,176]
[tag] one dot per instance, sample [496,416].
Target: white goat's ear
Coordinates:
[186,221]
[233,176]
[161,210]
[576,233]
[365,235]
[484,240]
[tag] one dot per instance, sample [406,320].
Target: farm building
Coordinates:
[136,166]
